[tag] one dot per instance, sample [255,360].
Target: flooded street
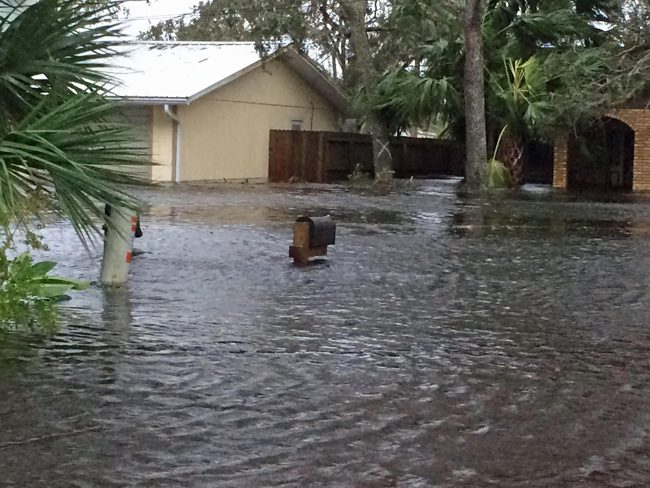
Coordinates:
[446,341]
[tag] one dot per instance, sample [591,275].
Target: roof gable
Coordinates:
[152,72]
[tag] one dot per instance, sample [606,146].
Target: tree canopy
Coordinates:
[548,65]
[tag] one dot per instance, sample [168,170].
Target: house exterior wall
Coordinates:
[162,145]
[225,134]
[139,118]
[639,121]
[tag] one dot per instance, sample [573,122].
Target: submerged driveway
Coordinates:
[447,341]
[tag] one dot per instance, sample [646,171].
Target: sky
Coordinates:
[143,14]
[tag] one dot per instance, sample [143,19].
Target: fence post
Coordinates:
[118,246]
[321,151]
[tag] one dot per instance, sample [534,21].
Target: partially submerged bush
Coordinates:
[496,175]
[384,177]
[358,176]
[28,293]
[20,304]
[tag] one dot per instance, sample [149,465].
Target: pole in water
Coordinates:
[118,245]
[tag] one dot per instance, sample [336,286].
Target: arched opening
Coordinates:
[602,157]
[538,162]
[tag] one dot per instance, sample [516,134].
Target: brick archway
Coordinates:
[639,121]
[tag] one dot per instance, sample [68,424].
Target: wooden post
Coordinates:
[300,249]
[303,247]
[118,246]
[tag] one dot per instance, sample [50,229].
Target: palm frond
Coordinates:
[53,47]
[415,100]
[59,134]
[76,154]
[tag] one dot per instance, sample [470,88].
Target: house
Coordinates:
[205,109]
[613,154]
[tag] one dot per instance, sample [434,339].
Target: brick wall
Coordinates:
[560,161]
[639,121]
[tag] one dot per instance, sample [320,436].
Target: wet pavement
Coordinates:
[448,340]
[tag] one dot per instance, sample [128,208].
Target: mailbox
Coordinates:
[311,236]
[322,231]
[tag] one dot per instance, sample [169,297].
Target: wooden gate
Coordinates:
[296,155]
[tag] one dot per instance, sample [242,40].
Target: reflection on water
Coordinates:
[447,341]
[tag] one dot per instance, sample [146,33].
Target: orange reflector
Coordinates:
[129,256]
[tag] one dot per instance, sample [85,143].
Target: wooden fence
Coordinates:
[322,157]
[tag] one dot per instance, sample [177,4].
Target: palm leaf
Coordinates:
[58,132]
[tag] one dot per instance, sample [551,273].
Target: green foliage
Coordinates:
[304,24]
[496,175]
[61,149]
[28,292]
[58,134]
[74,158]
[520,97]
[217,20]
[408,100]
[20,305]
[321,28]
[549,64]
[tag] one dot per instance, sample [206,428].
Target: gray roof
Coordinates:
[181,72]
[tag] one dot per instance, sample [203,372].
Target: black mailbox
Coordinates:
[322,231]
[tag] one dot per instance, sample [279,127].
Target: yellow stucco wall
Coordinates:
[162,146]
[225,134]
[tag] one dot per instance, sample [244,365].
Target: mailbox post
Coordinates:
[118,246]
[311,236]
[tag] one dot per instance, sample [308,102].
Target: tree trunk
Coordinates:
[366,74]
[382,157]
[118,246]
[511,154]
[474,95]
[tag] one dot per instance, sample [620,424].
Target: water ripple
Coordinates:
[447,341]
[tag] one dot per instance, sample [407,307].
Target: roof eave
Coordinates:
[297,61]
[152,100]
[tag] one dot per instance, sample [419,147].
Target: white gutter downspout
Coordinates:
[177,156]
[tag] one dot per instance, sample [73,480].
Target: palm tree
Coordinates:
[521,39]
[520,103]
[59,135]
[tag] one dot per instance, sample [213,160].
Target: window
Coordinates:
[296,124]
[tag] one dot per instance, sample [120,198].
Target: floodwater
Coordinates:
[447,341]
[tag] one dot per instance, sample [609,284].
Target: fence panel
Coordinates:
[280,156]
[321,157]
